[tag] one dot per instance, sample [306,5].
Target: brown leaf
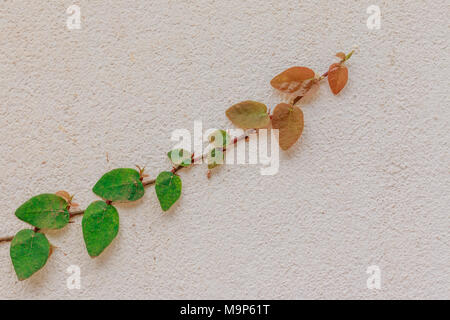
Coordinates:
[340,55]
[64,194]
[291,79]
[288,119]
[337,77]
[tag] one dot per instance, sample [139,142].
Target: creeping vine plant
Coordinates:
[30,248]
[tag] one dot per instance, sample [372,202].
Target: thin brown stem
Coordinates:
[298,98]
[348,56]
[76,213]
[6,239]
[149,182]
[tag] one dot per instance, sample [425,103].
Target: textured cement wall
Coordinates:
[368,184]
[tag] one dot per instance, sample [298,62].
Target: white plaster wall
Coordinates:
[368,184]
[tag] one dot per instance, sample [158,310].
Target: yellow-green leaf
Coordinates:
[219,138]
[180,157]
[249,115]
[215,158]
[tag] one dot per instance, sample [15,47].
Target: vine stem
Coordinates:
[347,57]
[298,98]
[152,181]
[201,157]
[6,239]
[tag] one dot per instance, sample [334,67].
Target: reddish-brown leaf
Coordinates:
[337,77]
[64,194]
[288,119]
[340,55]
[291,79]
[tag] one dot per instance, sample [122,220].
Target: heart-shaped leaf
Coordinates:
[168,189]
[288,120]
[45,211]
[100,227]
[123,185]
[290,80]
[249,115]
[219,138]
[215,158]
[180,157]
[337,77]
[29,252]
[341,55]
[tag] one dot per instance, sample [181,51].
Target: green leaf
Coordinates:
[249,115]
[180,157]
[288,120]
[349,55]
[45,211]
[100,227]
[120,185]
[219,138]
[215,158]
[29,252]
[168,189]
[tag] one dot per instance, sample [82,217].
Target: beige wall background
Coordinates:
[368,184]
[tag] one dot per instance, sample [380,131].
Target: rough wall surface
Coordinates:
[368,183]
